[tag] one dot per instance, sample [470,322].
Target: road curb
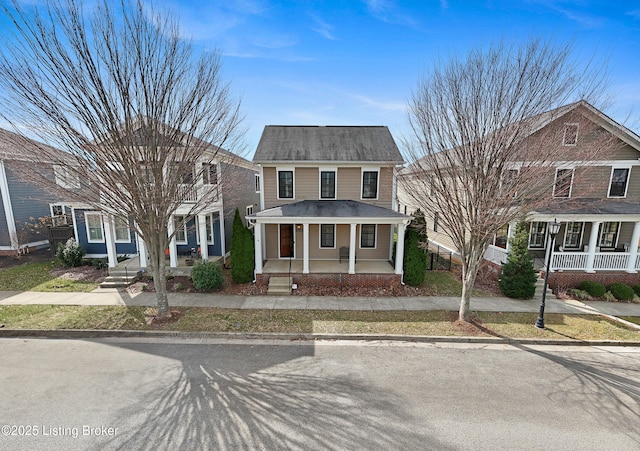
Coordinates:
[84,333]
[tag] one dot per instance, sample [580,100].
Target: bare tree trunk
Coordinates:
[470,267]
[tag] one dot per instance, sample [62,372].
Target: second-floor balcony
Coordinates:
[191,194]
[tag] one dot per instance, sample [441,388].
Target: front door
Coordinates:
[286,240]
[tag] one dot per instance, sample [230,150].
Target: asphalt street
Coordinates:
[135,393]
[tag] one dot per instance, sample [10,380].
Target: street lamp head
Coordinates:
[554,228]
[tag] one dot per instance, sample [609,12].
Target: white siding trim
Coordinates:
[8,208]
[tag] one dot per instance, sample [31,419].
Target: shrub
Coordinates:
[518,276]
[579,295]
[609,297]
[636,289]
[621,291]
[207,276]
[595,289]
[415,259]
[70,253]
[242,251]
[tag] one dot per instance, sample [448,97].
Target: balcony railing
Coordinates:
[496,254]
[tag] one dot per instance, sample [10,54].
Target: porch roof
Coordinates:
[590,209]
[330,212]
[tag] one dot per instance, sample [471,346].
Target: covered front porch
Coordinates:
[326,267]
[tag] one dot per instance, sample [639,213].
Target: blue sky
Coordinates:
[356,62]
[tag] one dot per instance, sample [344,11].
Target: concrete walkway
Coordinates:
[124,297]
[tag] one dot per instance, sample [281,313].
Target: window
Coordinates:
[501,237]
[562,185]
[209,226]
[369,184]
[570,135]
[209,173]
[618,184]
[327,185]
[285,184]
[186,174]
[258,183]
[436,221]
[180,226]
[509,181]
[249,211]
[121,228]
[65,178]
[57,210]
[609,234]
[368,235]
[537,234]
[573,235]
[327,235]
[95,234]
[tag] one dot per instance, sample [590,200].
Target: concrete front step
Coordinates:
[117,281]
[280,285]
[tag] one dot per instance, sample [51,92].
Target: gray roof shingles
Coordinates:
[327,143]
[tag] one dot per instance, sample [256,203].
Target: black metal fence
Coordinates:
[438,259]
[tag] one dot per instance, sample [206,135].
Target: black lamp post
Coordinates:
[554,228]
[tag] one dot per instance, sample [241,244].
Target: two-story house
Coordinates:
[595,199]
[22,200]
[218,183]
[327,198]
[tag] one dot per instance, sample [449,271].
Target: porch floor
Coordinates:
[133,265]
[327,267]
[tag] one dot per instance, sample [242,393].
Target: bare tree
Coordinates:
[137,112]
[482,145]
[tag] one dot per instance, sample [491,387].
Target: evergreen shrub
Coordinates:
[207,276]
[518,276]
[621,291]
[595,289]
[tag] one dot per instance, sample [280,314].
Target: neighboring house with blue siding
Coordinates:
[22,201]
[105,235]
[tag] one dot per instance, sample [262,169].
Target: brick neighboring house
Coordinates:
[327,196]
[597,203]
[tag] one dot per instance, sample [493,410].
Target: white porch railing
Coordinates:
[496,254]
[187,193]
[603,261]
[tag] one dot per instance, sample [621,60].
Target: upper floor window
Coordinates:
[562,185]
[95,233]
[369,184]
[209,173]
[570,135]
[619,182]
[258,183]
[327,185]
[436,221]
[537,235]
[185,175]
[65,178]
[285,184]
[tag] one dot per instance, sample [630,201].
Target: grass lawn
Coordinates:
[434,323]
[37,277]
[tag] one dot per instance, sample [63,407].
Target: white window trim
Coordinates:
[213,235]
[375,237]
[335,182]
[249,211]
[555,181]
[626,188]
[366,169]
[184,227]
[258,185]
[65,178]
[113,225]
[544,241]
[206,175]
[320,246]
[293,188]
[601,233]
[86,224]
[566,229]
[564,135]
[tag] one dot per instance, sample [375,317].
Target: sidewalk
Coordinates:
[123,297]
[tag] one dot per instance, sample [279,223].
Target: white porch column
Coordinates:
[633,248]
[110,241]
[223,240]
[305,248]
[352,249]
[202,231]
[257,236]
[400,249]
[593,245]
[510,232]
[142,251]
[173,250]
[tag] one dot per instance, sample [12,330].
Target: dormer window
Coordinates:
[619,182]
[570,135]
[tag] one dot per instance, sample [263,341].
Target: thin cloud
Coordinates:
[323,28]
[387,11]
